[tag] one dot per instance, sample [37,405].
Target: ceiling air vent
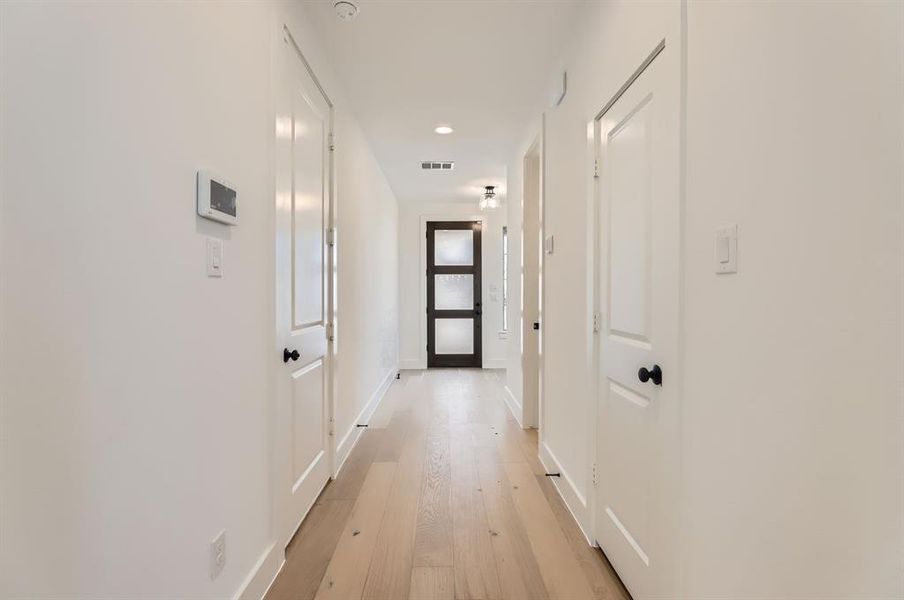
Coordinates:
[447,165]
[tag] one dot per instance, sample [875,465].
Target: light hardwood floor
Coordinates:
[443,497]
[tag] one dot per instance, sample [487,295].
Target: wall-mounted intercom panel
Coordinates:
[217,199]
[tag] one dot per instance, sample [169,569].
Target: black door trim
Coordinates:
[453,360]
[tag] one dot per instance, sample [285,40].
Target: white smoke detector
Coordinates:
[346,10]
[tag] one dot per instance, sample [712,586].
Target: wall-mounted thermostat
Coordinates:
[217,199]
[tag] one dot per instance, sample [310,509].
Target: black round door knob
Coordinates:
[287,356]
[646,375]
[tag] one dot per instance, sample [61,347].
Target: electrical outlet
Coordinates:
[217,554]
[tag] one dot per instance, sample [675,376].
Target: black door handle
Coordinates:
[293,355]
[656,375]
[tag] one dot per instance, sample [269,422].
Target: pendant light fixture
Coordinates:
[488,200]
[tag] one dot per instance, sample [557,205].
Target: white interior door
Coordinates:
[303,189]
[638,154]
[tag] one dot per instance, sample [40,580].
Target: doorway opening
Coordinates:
[454,312]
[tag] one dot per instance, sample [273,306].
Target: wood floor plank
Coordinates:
[382,416]
[473,559]
[519,574]
[347,571]
[389,575]
[394,437]
[351,477]
[559,567]
[526,444]
[604,583]
[432,583]
[309,552]
[433,532]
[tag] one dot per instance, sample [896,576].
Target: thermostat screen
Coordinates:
[222,199]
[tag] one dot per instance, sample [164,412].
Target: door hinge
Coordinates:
[331,141]
[329,332]
[597,318]
[331,237]
[596,168]
[595,474]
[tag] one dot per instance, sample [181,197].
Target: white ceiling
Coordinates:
[482,66]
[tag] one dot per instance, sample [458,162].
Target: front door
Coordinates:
[303,172]
[453,294]
[639,165]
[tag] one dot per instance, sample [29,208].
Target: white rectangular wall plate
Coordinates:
[214,257]
[217,199]
[726,250]
[549,244]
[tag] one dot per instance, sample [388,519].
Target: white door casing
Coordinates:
[303,185]
[531,284]
[638,188]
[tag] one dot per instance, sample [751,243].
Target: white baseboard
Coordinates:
[574,500]
[354,432]
[262,576]
[514,405]
[411,364]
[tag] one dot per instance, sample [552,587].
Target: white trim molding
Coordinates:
[514,405]
[351,437]
[574,500]
[263,574]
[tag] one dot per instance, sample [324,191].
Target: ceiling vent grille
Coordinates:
[446,165]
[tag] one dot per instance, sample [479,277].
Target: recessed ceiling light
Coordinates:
[346,10]
[443,129]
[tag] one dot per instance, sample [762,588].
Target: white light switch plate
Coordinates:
[549,244]
[214,257]
[726,250]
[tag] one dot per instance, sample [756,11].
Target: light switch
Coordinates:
[549,244]
[727,250]
[214,257]
[722,253]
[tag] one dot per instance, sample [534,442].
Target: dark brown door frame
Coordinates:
[453,360]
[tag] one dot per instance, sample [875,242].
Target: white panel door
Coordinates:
[303,188]
[638,154]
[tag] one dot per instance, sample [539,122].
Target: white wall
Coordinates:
[412,282]
[136,391]
[367,316]
[793,399]
[792,405]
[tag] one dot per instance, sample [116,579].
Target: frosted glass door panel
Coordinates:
[454,292]
[453,247]
[454,336]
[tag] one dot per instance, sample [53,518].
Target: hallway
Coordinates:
[443,497]
[463,299]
